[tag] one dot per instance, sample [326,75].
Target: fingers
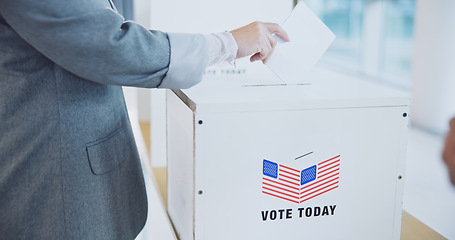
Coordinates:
[262,54]
[256,39]
[266,49]
[272,42]
[255,57]
[274,28]
[269,44]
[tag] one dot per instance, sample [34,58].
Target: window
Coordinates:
[374,37]
[399,42]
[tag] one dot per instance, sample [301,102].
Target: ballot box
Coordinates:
[324,159]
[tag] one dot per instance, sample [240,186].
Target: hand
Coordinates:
[449,151]
[257,39]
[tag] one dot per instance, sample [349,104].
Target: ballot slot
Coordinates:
[276,85]
[246,74]
[229,144]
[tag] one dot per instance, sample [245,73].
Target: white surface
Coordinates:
[244,125]
[231,146]
[327,89]
[372,34]
[202,16]
[429,196]
[141,9]
[180,167]
[158,138]
[430,199]
[433,65]
[207,16]
[310,38]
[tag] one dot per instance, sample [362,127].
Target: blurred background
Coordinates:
[403,44]
[373,37]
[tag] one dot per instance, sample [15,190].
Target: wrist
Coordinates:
[221,47]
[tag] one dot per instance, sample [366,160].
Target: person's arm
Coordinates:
[90,40]
[255,40]
[222,47]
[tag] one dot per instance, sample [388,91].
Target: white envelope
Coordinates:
[310,38]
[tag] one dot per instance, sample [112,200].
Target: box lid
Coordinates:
[325,89]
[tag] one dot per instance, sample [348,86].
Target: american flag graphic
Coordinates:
[299,186]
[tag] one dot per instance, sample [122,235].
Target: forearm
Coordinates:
[221,47]
[95,43]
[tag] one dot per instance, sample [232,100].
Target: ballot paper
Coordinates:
[310,38]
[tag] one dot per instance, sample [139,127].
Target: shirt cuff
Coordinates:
[221,47]
[188,60]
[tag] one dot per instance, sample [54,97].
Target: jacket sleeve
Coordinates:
[91,40]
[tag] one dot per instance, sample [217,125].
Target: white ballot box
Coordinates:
[322,160]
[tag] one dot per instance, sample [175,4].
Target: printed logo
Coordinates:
[299,186]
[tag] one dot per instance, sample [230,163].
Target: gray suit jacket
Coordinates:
[69,167]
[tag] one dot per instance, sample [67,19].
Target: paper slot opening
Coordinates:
[276,85]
